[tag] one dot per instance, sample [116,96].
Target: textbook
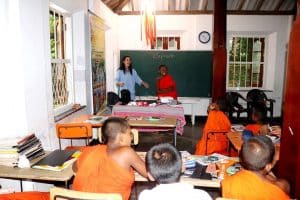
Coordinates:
[57,160]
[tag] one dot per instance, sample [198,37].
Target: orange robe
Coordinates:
[26,196]
[255,128]
[247,185]
[166,82]
[216,121]
[98,173]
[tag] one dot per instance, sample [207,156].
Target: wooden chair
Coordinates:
[57,193]
[74,131]
[134,132]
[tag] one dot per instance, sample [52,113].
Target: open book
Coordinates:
[57,160]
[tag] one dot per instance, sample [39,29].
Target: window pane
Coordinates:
[59,84]
[243,49]
[237,49]
[249,51]
[246,62]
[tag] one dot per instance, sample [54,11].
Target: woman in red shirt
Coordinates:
[165,85]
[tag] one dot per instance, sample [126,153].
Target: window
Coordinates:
[167,43]
[61,67]
[246,62]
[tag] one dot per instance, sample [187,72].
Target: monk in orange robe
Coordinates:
[26,196]
[165,85]
[254,180]
[109,168]
[217,120]
[258,116]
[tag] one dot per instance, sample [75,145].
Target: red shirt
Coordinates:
[167,82]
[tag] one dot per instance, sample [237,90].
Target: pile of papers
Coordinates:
[9,155]
[30,147]
[187,159]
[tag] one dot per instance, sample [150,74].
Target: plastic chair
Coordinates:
[134,132]
[234,105]
[258,96]
[74,131]
[57,193]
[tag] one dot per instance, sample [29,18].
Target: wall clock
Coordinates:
[204,37]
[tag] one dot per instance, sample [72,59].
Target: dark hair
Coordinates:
[122,66]
[161,66]
[259,110]
[125,96]
[223,104]
[163,162]
[257,152]
[114,126]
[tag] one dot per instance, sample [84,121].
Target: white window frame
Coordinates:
[269,55]
[68,59]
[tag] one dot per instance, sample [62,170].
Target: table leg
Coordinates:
[175,134]
[21,185]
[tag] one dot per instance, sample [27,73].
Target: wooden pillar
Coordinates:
[219,50]
[289,160]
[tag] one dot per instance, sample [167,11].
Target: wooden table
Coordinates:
[37,174]
[141,123]
[236,140]
[163,111]
[149,124]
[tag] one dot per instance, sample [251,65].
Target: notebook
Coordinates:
[57,160]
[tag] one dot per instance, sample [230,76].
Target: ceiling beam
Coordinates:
[259,4]
[241,4]
[122,3]
[199,12]
[279,4]
[205,4]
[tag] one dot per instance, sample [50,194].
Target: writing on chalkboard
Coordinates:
[159,56]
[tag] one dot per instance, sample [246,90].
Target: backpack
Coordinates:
[125,96]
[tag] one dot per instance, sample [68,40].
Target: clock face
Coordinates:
[204,37]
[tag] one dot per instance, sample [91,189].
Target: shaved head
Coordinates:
[257,152]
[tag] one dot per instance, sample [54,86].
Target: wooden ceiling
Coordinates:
[186,7]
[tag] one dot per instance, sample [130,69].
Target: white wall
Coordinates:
[277,29]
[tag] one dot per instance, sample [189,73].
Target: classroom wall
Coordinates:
[276,28]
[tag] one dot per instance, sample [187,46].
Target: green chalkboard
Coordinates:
[192,70]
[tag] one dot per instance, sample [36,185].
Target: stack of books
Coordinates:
[9,155]
[30,147]
[11,149]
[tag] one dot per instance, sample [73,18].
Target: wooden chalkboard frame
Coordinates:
[192,70]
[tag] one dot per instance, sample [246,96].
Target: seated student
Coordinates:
[217,120]
[258,116]
[254,180]
[109,168]
[164,165]
[165,85]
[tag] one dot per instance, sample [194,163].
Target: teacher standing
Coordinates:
[127,77]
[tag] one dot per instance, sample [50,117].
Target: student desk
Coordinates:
[37,174]
[236,140]
[175,111]
[140,123]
